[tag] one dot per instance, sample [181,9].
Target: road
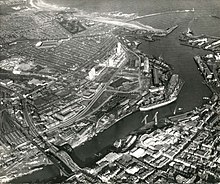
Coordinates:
[61,160]
[81,115]
[31,133]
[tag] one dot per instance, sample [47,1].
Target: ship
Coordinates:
[157,105]
[130,140]
[189,31]
[118,143]
[169,100]
[124,144]
[198,61]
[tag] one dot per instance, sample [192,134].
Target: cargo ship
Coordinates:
[172,97]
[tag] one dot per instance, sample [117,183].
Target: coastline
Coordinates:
[41,5]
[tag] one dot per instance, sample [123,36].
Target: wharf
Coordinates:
[180,116]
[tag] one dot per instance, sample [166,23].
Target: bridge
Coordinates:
[59,158]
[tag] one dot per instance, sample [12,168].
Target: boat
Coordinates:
[118,143]
[125,143]
[189,31]
[206,98]
[177,109]
[174,112]
[129,142]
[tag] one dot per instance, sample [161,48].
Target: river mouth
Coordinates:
[191,95]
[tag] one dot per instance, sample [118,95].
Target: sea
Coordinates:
[180,57]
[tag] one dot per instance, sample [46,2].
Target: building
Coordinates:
[212,119]
[95,71]
[6,82]
[10,135]
[156,89]
[47,44]
[66,110]
[58,116]
[88,94]
[16,2]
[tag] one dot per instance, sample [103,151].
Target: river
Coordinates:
[180,57]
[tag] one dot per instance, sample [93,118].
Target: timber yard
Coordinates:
[67,77]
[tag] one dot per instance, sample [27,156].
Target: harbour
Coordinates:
[181,58]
